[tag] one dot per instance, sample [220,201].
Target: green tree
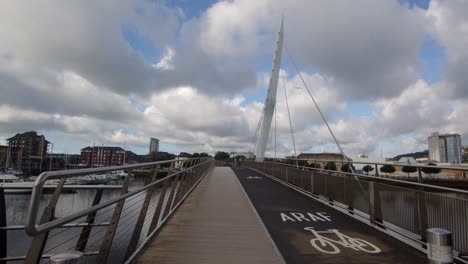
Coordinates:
[409,169]
[347,168]
[330,166]
[431,170]
[221,155]
[387,169]
[368,168]
[200,155]
[314,165]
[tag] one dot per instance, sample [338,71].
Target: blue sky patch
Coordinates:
[433,58]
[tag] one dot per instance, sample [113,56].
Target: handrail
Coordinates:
[376,178]
[32,229]
[456,168]
[66,187]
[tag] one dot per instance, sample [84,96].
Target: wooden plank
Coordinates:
[215,224]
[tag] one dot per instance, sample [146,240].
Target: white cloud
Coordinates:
[449,25]
[63,68]
[166,61]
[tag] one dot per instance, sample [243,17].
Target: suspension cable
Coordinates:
[289,117]
[318,108]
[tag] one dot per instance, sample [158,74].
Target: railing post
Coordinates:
[348,193]
[287,176]
[439,246]
[38,243]
[3,223]
[375,210]
[371,203]
[182,182]
[69,257]
[421,213]
[112,228]
[86,231]
[167,209]
[141,219]
[312,181]
[157,212]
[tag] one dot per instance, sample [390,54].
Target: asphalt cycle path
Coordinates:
[307,231]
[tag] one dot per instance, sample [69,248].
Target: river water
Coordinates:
[60,240]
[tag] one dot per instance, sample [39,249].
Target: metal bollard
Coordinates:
[68,257]
[439,246]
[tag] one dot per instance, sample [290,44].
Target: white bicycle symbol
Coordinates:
[328,245]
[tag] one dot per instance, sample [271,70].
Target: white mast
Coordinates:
[270,101]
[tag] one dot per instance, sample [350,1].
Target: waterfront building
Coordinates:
[3,156]
[159,156]
[445,148]
[154,145]
[102,156]
[26,152]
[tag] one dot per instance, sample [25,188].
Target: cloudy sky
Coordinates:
[194,73]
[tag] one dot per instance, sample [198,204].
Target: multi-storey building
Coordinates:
[154,145]
[102,156]
[27,152]
[445,148]
[3,156]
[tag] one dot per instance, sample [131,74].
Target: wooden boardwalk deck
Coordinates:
[215,224]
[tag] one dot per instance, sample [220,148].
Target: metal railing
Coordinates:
[374,168]
[112,230]
[405,208]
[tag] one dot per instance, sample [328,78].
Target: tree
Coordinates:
[431,170]
[387,169]
[330,166]
[302,163]
[368,168]
[347,168]
[200,155]
[314,165]
[408,169]
[221,155]
[239,157]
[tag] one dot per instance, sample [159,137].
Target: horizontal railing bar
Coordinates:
[70,225]
[31,228]
[376,178]
[44,256]
[65,187]
[458,168]
[78,172]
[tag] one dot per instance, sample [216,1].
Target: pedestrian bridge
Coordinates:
[255,212]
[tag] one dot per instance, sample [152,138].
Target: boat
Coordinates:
[12,184]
